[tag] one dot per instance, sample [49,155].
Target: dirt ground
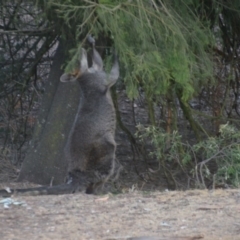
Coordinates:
[185,215]
[132,215]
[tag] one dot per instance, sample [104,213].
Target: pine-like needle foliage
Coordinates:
[162,45]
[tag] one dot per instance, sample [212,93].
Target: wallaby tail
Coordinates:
[54,190]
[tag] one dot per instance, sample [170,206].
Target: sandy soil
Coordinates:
[188,215]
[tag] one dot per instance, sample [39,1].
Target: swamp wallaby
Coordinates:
[91,147]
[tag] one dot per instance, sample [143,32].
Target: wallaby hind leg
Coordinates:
[117,170]
[108,173]
[100,166]
[78,180]
[95,188]
[85,181]
[103,169]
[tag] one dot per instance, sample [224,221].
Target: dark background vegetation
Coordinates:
[177,99]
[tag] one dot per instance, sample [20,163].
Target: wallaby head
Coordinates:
[95,73]
[91,146]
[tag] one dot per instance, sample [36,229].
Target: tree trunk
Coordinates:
[45,160]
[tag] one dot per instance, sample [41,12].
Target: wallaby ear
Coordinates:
[83,61]
[114,73]
[66,77]
[97,63]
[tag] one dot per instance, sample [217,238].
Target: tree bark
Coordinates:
[45,161]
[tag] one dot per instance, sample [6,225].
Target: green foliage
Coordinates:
[158,43]
[166,145]
[217,159]
[224,151]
